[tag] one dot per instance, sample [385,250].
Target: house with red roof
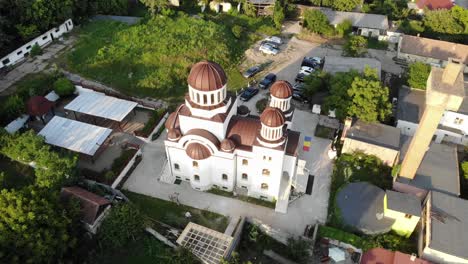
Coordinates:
[420,5]
[383,256]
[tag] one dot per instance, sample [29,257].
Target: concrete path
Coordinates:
[306,210]
[36,64]
[124,19]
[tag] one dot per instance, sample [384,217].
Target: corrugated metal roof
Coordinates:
[101,105]
[74,135]
[361,20]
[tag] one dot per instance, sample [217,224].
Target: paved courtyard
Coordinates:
[308,209]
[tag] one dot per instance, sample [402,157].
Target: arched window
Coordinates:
[244,176]
[196,177]
[266,172]
[176,166]
[198,98]
[264,186]
[212,98]
[219,97]
[245,162]
[225,177]
[205,99]
[195,164]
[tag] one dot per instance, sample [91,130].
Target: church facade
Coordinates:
[210,145]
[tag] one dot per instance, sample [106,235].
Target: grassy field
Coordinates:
[174,215]
[153,58]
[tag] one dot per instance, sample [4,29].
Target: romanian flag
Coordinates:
[307,143]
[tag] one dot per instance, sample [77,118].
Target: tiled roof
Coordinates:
[90,203]
[431,48]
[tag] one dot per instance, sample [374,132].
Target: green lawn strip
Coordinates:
[174,215]
[374,43]
[269,204]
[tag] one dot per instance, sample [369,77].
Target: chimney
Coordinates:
[445,91]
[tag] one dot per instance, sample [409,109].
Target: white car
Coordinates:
[274,39]
[268,49]
[306,70]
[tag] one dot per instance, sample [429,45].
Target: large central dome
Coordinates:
[207,76]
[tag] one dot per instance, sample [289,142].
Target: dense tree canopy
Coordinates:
[358,95]
[340,5]
[417,75]
[34,228]
[155,6]
[355,46]
[317,22]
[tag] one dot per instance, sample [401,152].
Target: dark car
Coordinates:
[300,78]
[248,94]
[299,96]
[250,72]
[313,62]
[267,81]
[298,87]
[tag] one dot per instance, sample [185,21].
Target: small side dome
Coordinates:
[228,145]
[171,121]
[281,89]
[272,117]
[174,134]
[197,151]
[207,76]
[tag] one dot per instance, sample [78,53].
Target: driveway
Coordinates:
[307,209]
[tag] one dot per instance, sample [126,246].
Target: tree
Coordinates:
[123,224]
[369,99]
[248,8]
[298,249]
[64,87]
[344,28]
[113,7]
[34,228]
[418,74]
[315,82]
[338,99]
[464,167]
[345,5]
[155,6]
[237,31]
[442,21]
[317,22]
[278,14]
[12,107]
[355,46]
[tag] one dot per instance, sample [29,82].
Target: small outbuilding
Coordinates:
[39,106]
[335,64]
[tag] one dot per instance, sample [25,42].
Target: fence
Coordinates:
[22,53]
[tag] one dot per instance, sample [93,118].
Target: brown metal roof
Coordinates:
[243,131]
[272,117]
[207,76]
[205,134]
[435,4]
[281,89]
[197,151]
[293,142]
[91,205]
[228,145]
[172,121]
[38,106]
[436,49]
[174,134]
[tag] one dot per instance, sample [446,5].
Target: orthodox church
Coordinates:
[210,145]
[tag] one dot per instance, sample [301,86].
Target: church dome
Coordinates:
[272,117]
[281,89]
[171,121]
[207,76]
[227,145]
[197,151]
[174,134]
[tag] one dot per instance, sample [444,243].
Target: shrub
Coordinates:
[344,28]
[356,46]
[298,249]
[237,31]
[417,75]
[64,87]
[12,107]
[261,104]
[317,22]
[464,167]
[35,50]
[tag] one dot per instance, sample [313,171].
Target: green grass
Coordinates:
[15,174]
[158,63]
[269,204]
[374,43]
[174,215]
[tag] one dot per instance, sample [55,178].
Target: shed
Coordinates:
[91,205]
[39,106]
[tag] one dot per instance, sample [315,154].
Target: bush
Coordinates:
[356,46]
[344,28]
[35,50]
[261,104]
[298,249]
[317,22]
[237,31]
[464,167]
[64,87]
[12,107]
[417,75]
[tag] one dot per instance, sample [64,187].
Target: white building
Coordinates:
[452,127]
[210,146]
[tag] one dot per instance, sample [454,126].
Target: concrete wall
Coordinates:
[22,53]
[405,188]
[402,226]
[432,61]
[388,156]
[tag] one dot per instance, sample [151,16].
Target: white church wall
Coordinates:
[275,168]
[187,123]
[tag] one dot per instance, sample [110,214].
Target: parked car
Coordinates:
[298,86]
[299,96]
[314,62]
[250,72]
[267,81]
[273,44]
[275,39]
[269,49]
[248,93]
[305,71]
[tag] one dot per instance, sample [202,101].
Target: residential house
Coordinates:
[431,51]
[373,139]
[405,209]
[443,236]
[420,5]
[384,256]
